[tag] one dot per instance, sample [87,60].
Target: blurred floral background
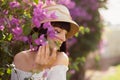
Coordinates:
[93,52]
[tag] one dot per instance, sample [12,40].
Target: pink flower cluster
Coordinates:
[81,10]
[1,27]
[31,14]
[39,15]
[14,4]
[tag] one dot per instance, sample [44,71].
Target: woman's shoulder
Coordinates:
[62,59]
[20,55]
[20,58]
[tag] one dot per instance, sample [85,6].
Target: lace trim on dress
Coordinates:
[24,75]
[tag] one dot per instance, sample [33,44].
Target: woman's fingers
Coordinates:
[47,51]
[42,52]
[43,56]
[39,50]
[40,55]
[37,59]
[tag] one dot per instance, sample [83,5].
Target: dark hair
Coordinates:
[62,25]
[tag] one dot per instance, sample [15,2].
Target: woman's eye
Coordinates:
[57,31]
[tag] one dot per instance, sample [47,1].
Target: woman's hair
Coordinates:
[62,25]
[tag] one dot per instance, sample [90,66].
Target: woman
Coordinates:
[49,62]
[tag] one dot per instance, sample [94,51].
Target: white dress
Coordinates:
[57,72]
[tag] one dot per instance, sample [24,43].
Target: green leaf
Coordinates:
[36,1]
[87,30]
[97,58]
[9,37]
[1,35]
[1,73]
[82,29]
[8,70]
[26,29]
[76,66]
[35,36]
[76,35]
[27,15]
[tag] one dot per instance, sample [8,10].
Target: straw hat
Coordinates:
[63,15]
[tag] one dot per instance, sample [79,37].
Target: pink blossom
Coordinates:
[17,31]
[21,38]
[33,48]
[14,21]
[70,4]
[81,13]
[51,34]
[71,42]
[5,11]
[2,28]
[41,40]
[49,2]
[24,38]
[47,25]
[14,4]
[50,29]
[72,71]
[91,4]
[36,22]
[38,15]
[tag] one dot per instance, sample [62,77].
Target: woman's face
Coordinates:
[59,39]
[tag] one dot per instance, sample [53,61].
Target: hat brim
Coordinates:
[63,15]
[74,27]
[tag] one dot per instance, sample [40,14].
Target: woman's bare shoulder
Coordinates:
[20,57]
[62,59]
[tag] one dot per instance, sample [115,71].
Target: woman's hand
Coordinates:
[45,57]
